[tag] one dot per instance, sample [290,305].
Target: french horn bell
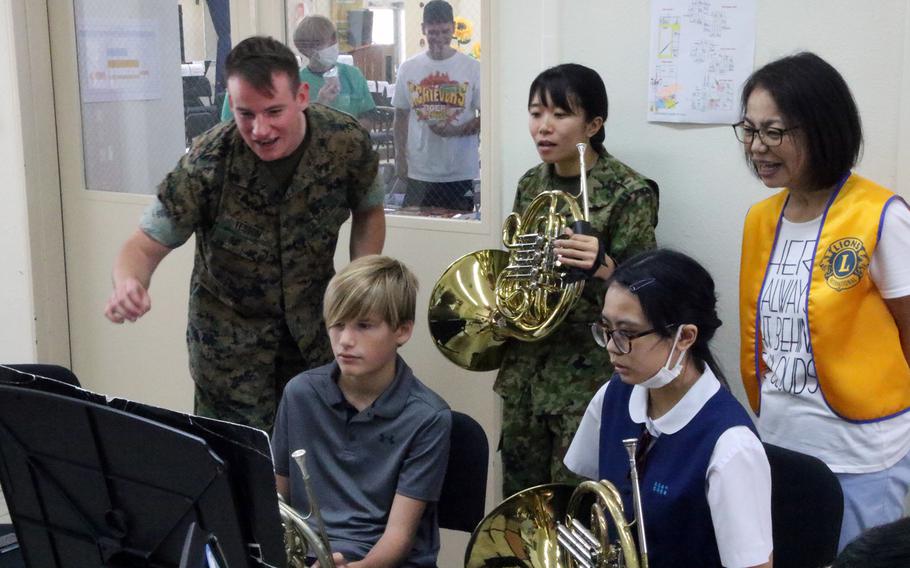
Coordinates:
[488,296]
[543,527]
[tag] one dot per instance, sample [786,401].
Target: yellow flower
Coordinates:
[464,29]
[475,51]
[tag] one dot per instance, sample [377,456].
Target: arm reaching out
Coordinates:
[131,277]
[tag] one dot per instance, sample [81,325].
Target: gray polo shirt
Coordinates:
[358,461]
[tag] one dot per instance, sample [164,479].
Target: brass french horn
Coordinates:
[540,527]
[488,296]
[300,539]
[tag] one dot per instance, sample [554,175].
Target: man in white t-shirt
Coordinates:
[437,118]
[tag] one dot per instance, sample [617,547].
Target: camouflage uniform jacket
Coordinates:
[564,370]
[264,254]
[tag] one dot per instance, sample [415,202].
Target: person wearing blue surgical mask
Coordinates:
[703,474]
[331,83]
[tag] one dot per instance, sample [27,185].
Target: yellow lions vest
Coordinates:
[861,368]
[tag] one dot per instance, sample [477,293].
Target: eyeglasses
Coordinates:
[768,136]
[622,340]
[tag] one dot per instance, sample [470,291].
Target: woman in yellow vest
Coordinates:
[825,290]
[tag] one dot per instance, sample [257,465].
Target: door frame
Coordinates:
[32,40]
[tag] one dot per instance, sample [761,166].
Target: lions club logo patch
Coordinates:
[844,263]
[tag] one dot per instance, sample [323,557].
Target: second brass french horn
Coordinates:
[488,296]
[542,527]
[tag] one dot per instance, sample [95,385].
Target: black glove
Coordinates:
[573,274]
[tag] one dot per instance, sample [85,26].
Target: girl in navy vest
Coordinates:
[704,477]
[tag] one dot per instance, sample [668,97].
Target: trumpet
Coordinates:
[300,540]
[488,296]
[540,527]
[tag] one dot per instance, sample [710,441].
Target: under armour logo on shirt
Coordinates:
[387,438]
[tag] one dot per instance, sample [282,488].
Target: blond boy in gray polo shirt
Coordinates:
[377,439]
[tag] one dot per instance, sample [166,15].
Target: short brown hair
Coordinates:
[256,58]
[371,286]
[312,32]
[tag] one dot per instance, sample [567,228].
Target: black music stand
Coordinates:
[252,477]
[91,484]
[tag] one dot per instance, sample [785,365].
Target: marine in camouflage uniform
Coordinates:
[546,385]
[265,241]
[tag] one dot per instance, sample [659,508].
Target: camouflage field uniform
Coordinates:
[264,255]
[546,385]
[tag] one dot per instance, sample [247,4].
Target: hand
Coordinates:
[329,91]
[339,560]
[577,251]
[581,252]
[446,130]
[129,301]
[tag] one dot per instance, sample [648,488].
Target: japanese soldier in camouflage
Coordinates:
[546,385]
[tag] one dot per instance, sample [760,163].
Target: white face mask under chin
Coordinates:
[665,374]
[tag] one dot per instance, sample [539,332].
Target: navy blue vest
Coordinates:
[677,516]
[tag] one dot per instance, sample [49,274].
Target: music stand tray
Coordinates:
[88,485]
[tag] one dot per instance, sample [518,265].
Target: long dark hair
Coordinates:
[576,88]
[814,97]
[674,289]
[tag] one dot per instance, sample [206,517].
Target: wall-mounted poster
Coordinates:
[119,62]
[702,51]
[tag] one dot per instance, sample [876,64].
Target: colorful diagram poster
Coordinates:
[702,51]
[119,62]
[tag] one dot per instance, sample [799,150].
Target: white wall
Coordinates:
[903,119]
[705,188]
